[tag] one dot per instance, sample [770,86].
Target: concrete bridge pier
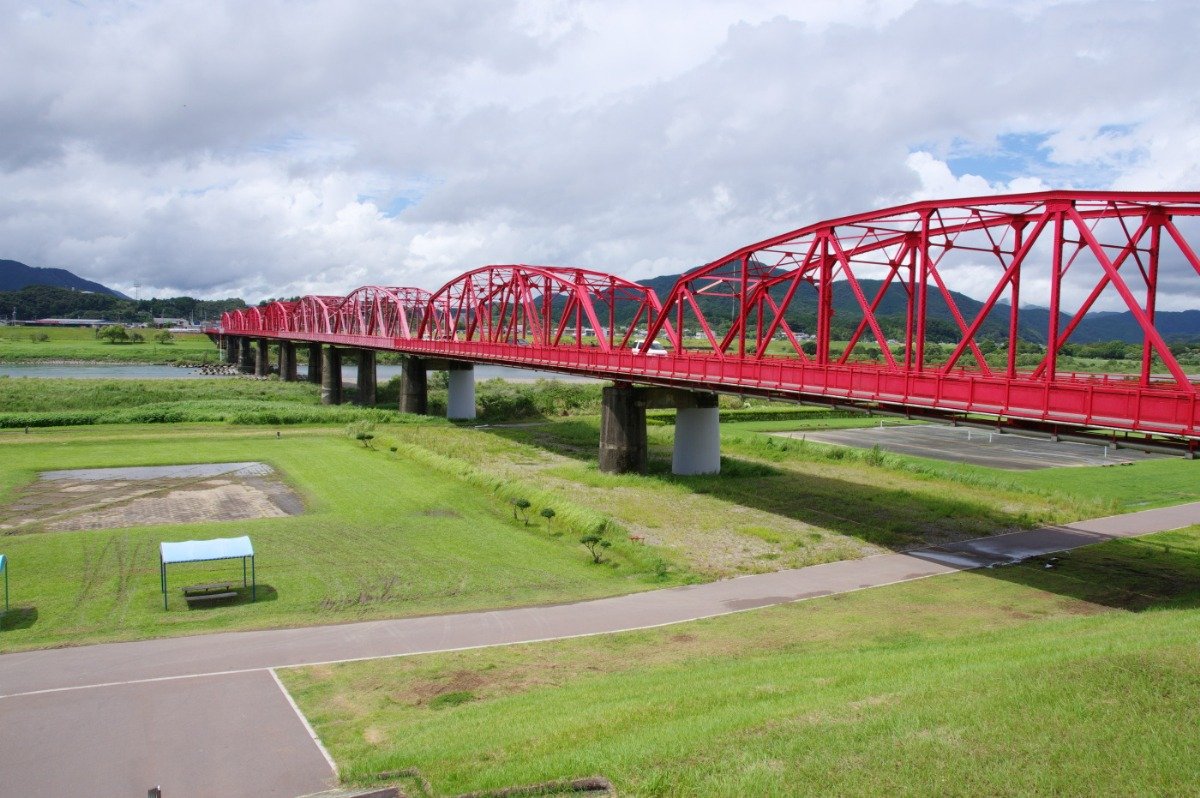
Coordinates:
[287,361]
[460,405]
[697,434]
[331,376]
[245,356]
[314,363]
[232,347]
[414,387]
[366,377]
[262,360]
[623,429]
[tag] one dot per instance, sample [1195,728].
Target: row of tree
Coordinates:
[49,302]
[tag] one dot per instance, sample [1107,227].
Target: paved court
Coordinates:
[204,715]
[1011,451]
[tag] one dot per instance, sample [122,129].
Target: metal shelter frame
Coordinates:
[208,551]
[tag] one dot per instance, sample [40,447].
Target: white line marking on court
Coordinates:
[307,726]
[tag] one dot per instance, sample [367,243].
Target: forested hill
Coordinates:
[802,315]
[15,275]
[44,301]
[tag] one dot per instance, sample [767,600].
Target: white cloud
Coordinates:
[278,148]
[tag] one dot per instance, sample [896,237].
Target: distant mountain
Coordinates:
[1034,321]
[15,275]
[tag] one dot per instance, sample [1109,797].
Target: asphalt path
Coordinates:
[205,715]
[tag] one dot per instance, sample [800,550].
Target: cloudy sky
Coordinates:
[273,148]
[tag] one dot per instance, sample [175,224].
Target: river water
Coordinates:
[134,371]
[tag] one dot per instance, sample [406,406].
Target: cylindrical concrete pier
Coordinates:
[245,356]
[314,363]
[461,403]
[697,441]
[623,430]
[262,362]
[414,387]
[232,349]
[331,376]
[366,377]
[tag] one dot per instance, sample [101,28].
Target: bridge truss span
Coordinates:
[952,307]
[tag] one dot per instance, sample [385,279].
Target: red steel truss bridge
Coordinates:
[866,309]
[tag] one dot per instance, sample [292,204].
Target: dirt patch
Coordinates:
[63,501]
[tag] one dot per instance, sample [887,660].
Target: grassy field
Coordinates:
[384,535]
[25,344]
[1079,680]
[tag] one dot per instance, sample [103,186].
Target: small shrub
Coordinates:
[363,431]
[521,505]
[136,338]
[595,544]
[39,338]
[114,334]
[548,513]
[164,337]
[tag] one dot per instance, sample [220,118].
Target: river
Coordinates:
[137,371]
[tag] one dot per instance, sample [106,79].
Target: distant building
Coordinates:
[69,322]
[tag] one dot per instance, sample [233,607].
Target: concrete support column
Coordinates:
[245,356]
[414,387]
[262,363]
[460,405]
[287,361]
[697,435]
[366,377]
[314,363]
[232,348]
[331,376]
[623,430]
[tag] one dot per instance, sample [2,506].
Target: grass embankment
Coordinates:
[80,344]
[1020,681]
[384,535]
[34,402]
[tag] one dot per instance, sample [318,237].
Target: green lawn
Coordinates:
[1079,680]
[21,344]
[384,535]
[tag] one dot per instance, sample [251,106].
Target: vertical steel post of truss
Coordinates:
[1151,296]
[742,310]
[1055,295]
[1014,313]
[824,302]
[922,288]
[910,307]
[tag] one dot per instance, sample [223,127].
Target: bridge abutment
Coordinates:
[623,429]
[287,361]
[246,356]
[460,405]
[697,448]
[414,387]
[366,377]
[331,376]
[314,363]
[262,360]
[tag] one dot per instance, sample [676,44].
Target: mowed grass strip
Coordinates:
[25,344]
[382,537]
[1079,680]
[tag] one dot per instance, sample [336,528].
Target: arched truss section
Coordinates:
[316,314]
[889,286]
[540,306]
[243,321]
[279,316]
[381,311]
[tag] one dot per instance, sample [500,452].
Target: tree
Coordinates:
[523,506]
[595,544]
[548,513]
[362,431]
[114,334]
[164,337]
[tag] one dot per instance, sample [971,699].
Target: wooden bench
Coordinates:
[196,594]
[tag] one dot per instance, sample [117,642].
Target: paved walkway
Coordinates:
[128,705]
